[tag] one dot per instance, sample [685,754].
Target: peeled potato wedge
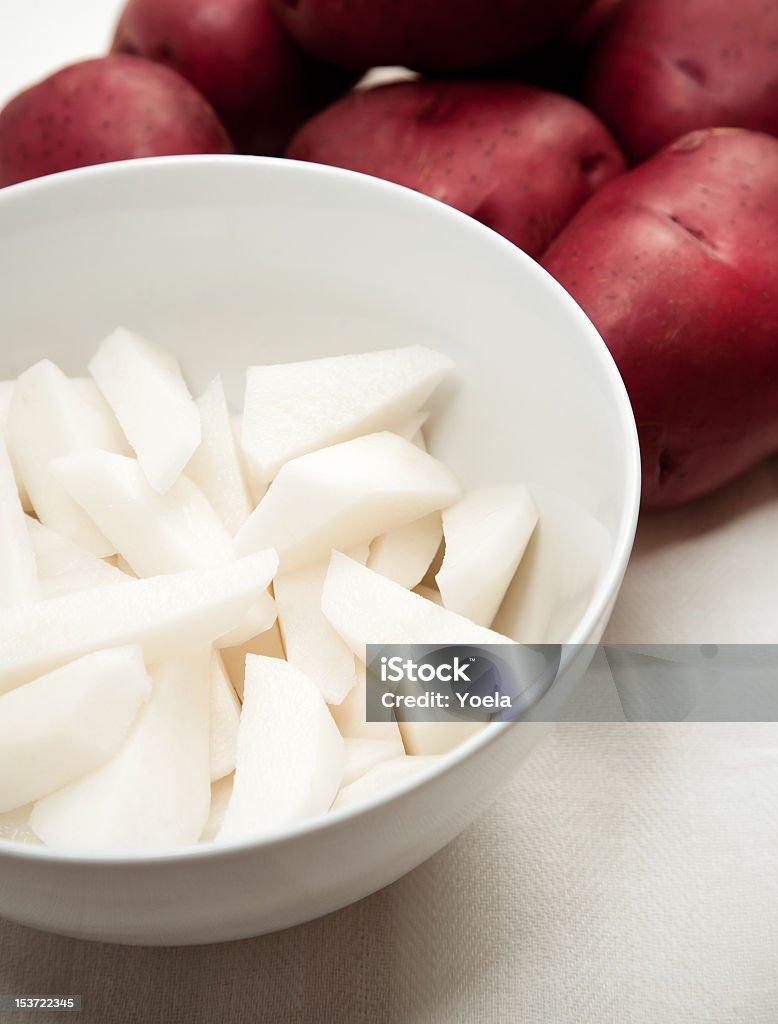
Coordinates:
[18,571]
[156,533]
[312,646]
[292,409]
[68,723]
[362,755]
[224,718]
[268,643]
[216,465]
[144,386]
[290,753]
[221,792]
[346,495]
[49,418]
[486,534]
[366,608]
[6,394]
[155,792]
[259,618]
[405,553]
[382,778]
[351,715]
[64,567]
[165,615]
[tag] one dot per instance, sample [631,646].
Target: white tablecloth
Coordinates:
[628,875]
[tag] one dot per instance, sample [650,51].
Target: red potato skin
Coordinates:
[516,158]
[666,67]
[676,264]
[112,108]
[438,35]
[259,82]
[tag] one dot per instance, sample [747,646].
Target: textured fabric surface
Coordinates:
[628,875]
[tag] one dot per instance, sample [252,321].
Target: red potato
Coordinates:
[259,82]
[440,35]
[665,67]
[112,108]
[676,263]
[514,157]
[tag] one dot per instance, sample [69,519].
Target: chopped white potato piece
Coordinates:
[6,394]
[362,755]
[310,642]
[268,643]
[15,827]
[558,573]
[155,792]
[486,534]
[290,753]
[295,408]
[18,572]
[216,466]
[68,723]
[165,615]
[224,719]
[344,496]
[221,792]
[88,390]
[438,736]
[256,488]
[113,435]
[405,553]
[64,567]
[144,386]
[365,608]
[49,418]
[259,618]
[351,715]
[382,778]
[156,533]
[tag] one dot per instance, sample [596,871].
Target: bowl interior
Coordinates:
[231,261]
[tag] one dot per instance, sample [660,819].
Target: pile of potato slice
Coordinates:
[186,595]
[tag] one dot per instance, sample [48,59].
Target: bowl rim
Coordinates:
[604,592]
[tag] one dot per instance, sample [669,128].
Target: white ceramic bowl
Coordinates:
[230,261]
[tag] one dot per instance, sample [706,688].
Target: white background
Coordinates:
[627,875]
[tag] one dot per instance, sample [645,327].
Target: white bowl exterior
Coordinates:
[230,261]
